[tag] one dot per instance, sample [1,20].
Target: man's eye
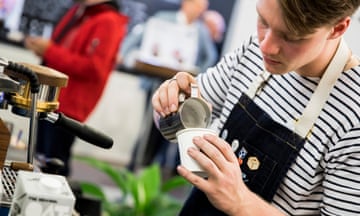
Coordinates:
[261,21]
[292,39]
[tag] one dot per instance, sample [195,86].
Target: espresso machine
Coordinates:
[32,91]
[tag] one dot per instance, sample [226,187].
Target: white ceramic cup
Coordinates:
[185,141]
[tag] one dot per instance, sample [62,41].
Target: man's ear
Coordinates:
[340,28]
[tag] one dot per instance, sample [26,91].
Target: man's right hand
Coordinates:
[166,98]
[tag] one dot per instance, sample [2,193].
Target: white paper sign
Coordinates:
[169,44]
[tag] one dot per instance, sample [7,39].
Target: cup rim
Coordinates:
[211,131]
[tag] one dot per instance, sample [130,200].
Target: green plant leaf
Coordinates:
[146,187]
[165,206]
[139,195]
[142,194]
[114,209]
[93,190]
[119,177]
[151,178]
[174,182]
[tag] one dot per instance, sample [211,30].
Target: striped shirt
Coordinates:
[325,178]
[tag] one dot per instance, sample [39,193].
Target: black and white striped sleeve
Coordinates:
[341,176]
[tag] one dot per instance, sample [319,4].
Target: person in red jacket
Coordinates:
[83,45]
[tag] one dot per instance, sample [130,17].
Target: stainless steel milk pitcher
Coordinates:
[193,112]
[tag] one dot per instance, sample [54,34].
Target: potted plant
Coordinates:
[142,193]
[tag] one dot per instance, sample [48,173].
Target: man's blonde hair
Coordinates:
[302,17]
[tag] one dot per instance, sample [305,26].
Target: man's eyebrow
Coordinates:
[259,16]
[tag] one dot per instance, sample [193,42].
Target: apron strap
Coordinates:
[304,124]
[257,84]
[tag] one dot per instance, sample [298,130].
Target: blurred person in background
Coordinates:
[83,46]
[190,14]
[215,22]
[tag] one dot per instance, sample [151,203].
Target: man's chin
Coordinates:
[275,70]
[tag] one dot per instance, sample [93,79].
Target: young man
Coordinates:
[84,46]
[286,103]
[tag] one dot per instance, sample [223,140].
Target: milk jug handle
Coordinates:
[193,93]
[194,90]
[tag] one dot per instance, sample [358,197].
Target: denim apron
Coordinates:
[266,148]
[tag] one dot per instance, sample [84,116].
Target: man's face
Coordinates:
[282,51]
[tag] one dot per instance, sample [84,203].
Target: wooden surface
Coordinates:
[154,70]
[4,142]
[46,75]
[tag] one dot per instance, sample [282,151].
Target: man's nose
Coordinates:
[270,44]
